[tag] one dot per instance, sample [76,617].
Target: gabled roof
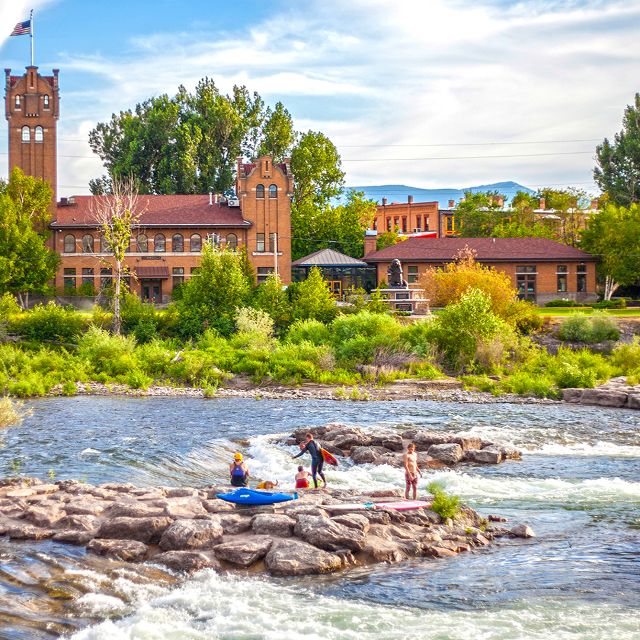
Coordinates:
[328,258]
[157,211]
[487,250]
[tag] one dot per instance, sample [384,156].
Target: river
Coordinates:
[578,486]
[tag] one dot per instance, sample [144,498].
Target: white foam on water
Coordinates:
[85,453]
[600,448]
[209,606]
[100,604]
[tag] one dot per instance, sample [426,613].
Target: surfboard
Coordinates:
[328,457]
[348,506]
[252,497]
[403,505]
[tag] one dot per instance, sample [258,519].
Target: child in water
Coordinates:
[302,478]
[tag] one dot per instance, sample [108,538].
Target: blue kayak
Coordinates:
[250,496]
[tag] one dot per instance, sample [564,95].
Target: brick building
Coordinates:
[166,246]
[407,218]
[540,269]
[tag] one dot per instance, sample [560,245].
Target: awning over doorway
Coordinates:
[152,273]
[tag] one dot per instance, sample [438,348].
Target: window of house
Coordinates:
[526,268]
[177,243]
[412,273]
[389,227]
[87,276]
[418,223]
[272,242]
[526,281]
[260,191]
[159,243]
[404,224]
[69,281]
[232,241]
[581,278]
[45,102]
[263,273]
[18,102]
[143,243]
[260,242]
[87,243]
[39,134]
[449,223]
[426,223]
[396,222]
[195,243]
[562,276]
[70,243]
[26,134]
[105,278]
[273,191]
[104,245]
[178,276]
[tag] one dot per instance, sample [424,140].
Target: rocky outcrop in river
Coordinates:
[614,393]
[190,529]
[435,448]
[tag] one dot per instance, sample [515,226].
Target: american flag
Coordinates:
[22,28]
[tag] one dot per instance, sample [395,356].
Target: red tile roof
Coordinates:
[157,211]
[247,167]
[487,250]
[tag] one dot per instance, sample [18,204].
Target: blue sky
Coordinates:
[437,93]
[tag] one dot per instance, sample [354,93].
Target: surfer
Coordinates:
[411,471]
[239,471]
[302,478]
[317,461]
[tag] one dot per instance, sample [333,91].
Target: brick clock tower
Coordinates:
[32,109]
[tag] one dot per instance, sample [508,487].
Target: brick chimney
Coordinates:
[543,204]
[370,239]
[410,199]
[594,204]
[384,202]
[452,204]
[500,201]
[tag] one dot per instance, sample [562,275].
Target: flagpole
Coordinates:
[31,34]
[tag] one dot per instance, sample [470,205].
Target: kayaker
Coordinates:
[411,471]
[317,461]
[302,478]
[239,471]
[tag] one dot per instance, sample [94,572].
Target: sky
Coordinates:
[427,93]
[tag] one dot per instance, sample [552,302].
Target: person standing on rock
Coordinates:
[239,471]
[411,471]
[317,461]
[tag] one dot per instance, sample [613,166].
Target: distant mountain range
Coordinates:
[399,192]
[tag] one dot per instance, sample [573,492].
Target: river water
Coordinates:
[578,486]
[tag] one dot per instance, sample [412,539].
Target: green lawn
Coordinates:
[550,312]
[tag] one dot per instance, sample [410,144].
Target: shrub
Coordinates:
[312,331]
[8,306]
[154,357]
[365,324]
[523,317]
[272,298]
[249,320]
[575,328]
[133,313]
[11,412]
[106,353]
[603,327]
[145,330]
[138,380]
[197,368]
[444,504]
[69,388]
[101,318]
[626,357]
[311,299]
[562,303]
[51,322]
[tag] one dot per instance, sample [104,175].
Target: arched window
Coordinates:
[273,191]
[18,102]
[26,134]
[87,243]
[70,243]
[195,243]
[232,241]
[159,243]
[260,191]
[177,243]
[143,243]
[39,137]
[45,102]
[104,245]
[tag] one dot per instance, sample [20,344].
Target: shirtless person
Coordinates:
[411,471]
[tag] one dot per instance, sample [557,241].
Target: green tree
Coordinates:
[618,162]
[271,297]
[311,299]
[478,215]
[613,235]
[387,239]
[278,134]
[568,207]
[212,295]
[27,265]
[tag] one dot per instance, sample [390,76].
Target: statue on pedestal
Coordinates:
[394,276]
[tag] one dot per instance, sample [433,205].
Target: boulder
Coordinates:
[120,487]
[467,442]
[181,492]
[604,397]
[509,452]
[28,532]
[44,515]
[384,549]
[522,531]
[489,455]
[297,510]
[273,524]
[244,550]
[633,401]
[180,508]
[353,521]
[234,523]
[191,534]
[84,507]
[329,534]
[572,395]
[378,517]
[297,558]
[425,439]
[366,455]
[186,560]
[147,530]
[355,438]
[391,441]
[127,550]
[133,510]
[79,523]
[447,453]
[75,536]
[216,505]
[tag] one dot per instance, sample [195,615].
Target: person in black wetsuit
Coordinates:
[317,461]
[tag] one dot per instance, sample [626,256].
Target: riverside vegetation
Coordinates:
[223,327]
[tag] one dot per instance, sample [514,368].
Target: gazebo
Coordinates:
[341,271]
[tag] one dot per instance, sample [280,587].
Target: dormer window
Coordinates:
[26,134]
[18,102]
[39,134]
[45,102]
